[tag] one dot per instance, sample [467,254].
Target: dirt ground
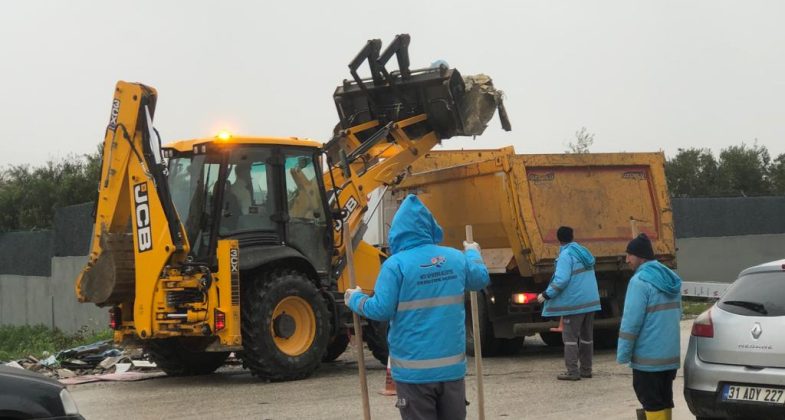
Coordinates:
[523,386]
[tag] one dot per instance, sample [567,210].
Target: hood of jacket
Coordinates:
[580,253]
[660,276]
[413,225]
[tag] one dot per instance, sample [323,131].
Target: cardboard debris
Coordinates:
[14,364]
[99,361]
[143,364]
[122,367]
[65,373]
[127,376]
[107,363]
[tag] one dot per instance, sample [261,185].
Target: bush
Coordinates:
[17,342]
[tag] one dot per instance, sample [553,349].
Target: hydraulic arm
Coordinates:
[387,122]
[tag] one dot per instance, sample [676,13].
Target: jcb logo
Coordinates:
[234,260]
[348,208]
[113,115]
[144,236]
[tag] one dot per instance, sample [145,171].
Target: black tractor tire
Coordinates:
[181,357]
[375,336]
[264,346]
[336,347]
[552,339]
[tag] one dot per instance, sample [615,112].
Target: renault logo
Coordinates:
[756,331]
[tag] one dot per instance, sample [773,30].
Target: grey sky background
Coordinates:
[641,75]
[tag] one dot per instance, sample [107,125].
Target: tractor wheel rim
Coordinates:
[297,340]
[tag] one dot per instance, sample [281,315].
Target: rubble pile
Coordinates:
[97,362]
[94,359]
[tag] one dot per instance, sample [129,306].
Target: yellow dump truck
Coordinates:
[515,204]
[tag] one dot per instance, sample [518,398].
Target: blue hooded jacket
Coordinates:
[420,290]
[649,335]
[573,288]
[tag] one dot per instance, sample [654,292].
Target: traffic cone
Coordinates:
[560,328]
[389,384]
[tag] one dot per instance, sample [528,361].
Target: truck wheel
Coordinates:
[375,336]
[336,347]
[606,339]
[552,339]
[490,345]
[285,326]
[509,346]
[177,357]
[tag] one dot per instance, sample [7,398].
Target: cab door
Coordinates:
[307,228]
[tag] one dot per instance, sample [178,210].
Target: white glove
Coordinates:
[540,298]
[348,294]
[471,245]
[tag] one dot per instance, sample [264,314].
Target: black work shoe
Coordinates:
[568,377]
[586,375]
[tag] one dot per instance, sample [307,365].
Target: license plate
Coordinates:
[753,393]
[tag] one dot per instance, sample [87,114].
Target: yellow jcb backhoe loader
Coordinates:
[234,244]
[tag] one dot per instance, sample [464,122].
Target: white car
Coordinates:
[735,363]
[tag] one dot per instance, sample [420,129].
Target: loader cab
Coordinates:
[266,193]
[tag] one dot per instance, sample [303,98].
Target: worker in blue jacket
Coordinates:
[420,290]
[649,334]
[573,295]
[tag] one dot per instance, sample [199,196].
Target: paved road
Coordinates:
[517,387]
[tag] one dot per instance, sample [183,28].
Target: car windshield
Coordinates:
[756,294]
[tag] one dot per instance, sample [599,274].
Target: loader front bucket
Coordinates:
[455,106]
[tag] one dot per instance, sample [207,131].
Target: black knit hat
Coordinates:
[641,247]
[564,234]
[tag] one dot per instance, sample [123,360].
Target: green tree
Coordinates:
[777,175]
[583,140]
[692,172]
[29,196]
[743,170]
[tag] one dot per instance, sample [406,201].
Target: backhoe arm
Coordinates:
[138,258]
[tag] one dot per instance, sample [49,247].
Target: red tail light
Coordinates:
[115,318]
[702,326]
[524,298]
[220,320]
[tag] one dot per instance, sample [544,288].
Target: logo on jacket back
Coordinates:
[144,238]
[435,262]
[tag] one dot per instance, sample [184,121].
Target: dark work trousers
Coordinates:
[578,337]
[432,401]
[654,389]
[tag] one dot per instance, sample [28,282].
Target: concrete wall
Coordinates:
[32,300]
[720,259]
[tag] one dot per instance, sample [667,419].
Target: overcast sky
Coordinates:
[642,76]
